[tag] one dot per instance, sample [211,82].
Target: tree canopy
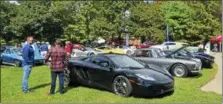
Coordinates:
[81,21]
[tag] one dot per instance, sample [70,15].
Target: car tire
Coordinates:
[67,81]
[179,70]
[68,75]
[17,63]
[125,87]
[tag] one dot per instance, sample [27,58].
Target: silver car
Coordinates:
[177,67]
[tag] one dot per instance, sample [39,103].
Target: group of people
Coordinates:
[58,56]
[43,47]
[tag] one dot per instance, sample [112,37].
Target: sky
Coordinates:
[14,2]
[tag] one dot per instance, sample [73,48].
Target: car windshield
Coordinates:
[128,63]
[17,51]
[186,52]
[104,47]
[160,53]
[92,49]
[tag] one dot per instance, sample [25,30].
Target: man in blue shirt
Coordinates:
[28,61]
[43,49]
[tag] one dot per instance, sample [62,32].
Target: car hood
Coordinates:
[204,54]
[158,76]
[175,51]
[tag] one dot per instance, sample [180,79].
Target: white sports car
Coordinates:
[129,50]
[85,52]
[169,45]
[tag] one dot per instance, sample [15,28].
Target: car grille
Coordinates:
[163,86]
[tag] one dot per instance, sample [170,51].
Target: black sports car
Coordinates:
[177,67]
[183,53]
[120,74]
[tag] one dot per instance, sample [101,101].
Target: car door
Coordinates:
[99,72]
[150,57]
[145,56]
[7,56]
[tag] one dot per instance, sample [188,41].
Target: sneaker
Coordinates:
[63,92]
[27,91]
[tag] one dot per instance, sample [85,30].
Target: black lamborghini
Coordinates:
[120,74]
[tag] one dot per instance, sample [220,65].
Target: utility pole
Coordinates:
[167,33]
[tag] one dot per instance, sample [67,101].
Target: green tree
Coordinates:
[7,11]
[148,21]
[33,18]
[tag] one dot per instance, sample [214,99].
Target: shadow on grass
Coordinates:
[66,89]
[40,86]
[154,96]
[132,95]
[197,75]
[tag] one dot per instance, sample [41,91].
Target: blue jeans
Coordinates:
[61,81]
[26,73]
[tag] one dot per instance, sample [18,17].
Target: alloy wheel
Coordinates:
[179,71]
[121,86]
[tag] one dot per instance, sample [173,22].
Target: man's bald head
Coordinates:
[30,39]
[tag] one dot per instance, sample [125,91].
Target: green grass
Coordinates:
[186,89]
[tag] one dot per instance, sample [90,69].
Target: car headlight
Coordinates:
[145,77]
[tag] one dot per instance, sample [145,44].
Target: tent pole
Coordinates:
[222,24]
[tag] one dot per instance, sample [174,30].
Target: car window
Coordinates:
[101,61]
[17,51]
[169,43]
[129,62]
[7,51]
[143,53]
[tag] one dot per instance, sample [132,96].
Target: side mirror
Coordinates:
[105,64]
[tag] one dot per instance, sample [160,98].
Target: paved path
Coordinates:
[216,84]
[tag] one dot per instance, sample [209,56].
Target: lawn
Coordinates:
[186,89]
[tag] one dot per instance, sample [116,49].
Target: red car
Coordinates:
[142,46]
[78,46]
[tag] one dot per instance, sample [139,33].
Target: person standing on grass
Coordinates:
[27,63]
[43,49]
[58,62]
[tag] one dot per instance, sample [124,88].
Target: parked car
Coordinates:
[182,53]
[169,45]
[177,67]
[142,46]
[108,49]
[119,73]
[13,56]
[128,50]
[85,51]
[77,46]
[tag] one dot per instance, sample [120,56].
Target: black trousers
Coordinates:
[54,78]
